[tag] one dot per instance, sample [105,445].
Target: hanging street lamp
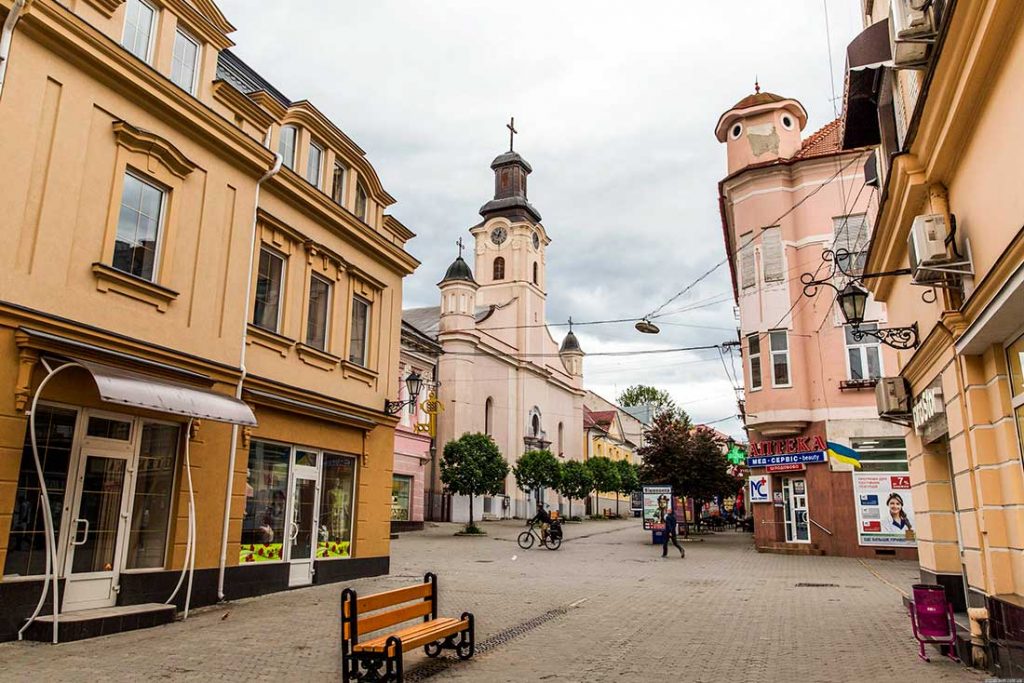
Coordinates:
[414,384]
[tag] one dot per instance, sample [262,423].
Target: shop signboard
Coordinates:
[929,413]
[885,512]
[657,500]
[787,459]
[789,467]
[759,488]
[796,451]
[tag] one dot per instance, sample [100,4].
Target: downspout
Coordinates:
[233,451]
[7,35]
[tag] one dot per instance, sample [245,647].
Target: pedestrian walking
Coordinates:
[670,534]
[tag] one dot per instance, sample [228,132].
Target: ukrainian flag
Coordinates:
[841,453]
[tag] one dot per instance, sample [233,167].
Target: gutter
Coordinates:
[233,452]
[7,35]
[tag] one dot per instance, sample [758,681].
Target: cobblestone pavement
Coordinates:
[610,609]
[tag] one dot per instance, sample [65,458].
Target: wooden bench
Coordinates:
[380,658]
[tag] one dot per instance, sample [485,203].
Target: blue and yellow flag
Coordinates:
[841,453]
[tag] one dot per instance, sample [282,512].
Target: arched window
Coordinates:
[499,268]
[489,416]
[536,274]
[535,426]
[561,438]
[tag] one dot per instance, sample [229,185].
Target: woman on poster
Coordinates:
[897,520]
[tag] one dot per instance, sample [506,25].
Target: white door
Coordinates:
[798,526]
[304,508]
[98,512]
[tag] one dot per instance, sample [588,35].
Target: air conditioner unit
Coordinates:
[892,397]
[912,28]
[927,247]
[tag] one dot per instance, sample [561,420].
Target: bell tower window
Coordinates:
[499,268]
[536,274]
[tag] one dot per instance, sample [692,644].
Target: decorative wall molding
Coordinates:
[153,146]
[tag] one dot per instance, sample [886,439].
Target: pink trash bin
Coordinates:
[931,616]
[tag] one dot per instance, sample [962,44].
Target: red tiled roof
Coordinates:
[758,98]
[601,419]
[828,140]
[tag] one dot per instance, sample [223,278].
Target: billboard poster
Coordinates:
[657,499]
[885,512]
[760,488]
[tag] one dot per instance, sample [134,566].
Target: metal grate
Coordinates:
[433,667]
[816,585]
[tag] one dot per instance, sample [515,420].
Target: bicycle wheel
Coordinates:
[553,543]
[525,540]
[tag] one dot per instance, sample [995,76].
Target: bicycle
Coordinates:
[528,537]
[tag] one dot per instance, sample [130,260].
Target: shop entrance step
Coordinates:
[103,621]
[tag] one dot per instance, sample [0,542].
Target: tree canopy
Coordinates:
[629,477]
[472,465]
[537,469]
[643,394]
[605,474]
[576,481]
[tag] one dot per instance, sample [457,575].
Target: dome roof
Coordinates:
[459,270]
[570,344]
[758,98]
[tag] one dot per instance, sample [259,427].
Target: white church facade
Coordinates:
[502,372]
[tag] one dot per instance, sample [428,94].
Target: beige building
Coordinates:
[220,323]
[937,90]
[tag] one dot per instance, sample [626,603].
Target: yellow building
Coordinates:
[204,269]
[605,437]
[938,90]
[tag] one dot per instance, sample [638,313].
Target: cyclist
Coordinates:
[544,519]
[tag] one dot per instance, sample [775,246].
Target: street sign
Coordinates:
[787,467]
[787,459]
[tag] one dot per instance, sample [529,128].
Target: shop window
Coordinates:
[138,227]
[154,488]
[779,346]
[286,145]
[314,164]
[359,335]
[266,497]
[26,545]
[881,454]
[139,22]
[109,428]
[401,498]
[338,183]
[185,62]
[864,359]
[318,314]
[754,356]
[337,506]
[269,282]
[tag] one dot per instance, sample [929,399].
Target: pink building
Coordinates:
[414,452]
[808,380]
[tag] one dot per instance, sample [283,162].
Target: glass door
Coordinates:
[96,530]
[304,518]
[794,493]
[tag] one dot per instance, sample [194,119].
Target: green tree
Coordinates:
[536,470]
[576,482]
[605,474]
[473,466]
[629,480]
[687,458]
[643,394]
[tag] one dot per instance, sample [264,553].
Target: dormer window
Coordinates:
[139,25]
[286,145]
[185,62]
[499,268]
[338,183]
[314,164]
[361,202]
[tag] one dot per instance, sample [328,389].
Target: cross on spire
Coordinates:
[511,125]
[757,85]
[461,246]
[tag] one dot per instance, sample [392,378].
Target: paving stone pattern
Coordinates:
[606,607]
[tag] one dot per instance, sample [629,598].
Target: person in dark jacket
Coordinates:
[543,517]
[670,533]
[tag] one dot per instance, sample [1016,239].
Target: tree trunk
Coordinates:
[616,503]
[570,508]
[470,511]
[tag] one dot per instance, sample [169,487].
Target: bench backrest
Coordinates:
[364,615]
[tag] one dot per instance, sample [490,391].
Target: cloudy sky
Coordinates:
[616,105]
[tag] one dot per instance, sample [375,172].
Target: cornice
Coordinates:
[1002,270]
[106,7]
[288,391]
[236,101]
[920,368]
[203,24]
[394,225]
[69,36]
[215,16]
[269,103]
[153,145]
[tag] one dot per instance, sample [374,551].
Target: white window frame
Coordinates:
[290,163]
[280,294]
[316,182]
[152,29]
[365,363]
[772,236]
[750,362]
[363,215]
[745,250]
[340,200]
[182,33]
[771,355]
[862,346]
[327,318]
[159,246]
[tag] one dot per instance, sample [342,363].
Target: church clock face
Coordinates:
[536,240]
[499,235]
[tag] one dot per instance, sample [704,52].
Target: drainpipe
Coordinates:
[233,451]
[7,34]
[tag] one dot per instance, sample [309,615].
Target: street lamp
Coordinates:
[647,327]
[853,301]
[414,383]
